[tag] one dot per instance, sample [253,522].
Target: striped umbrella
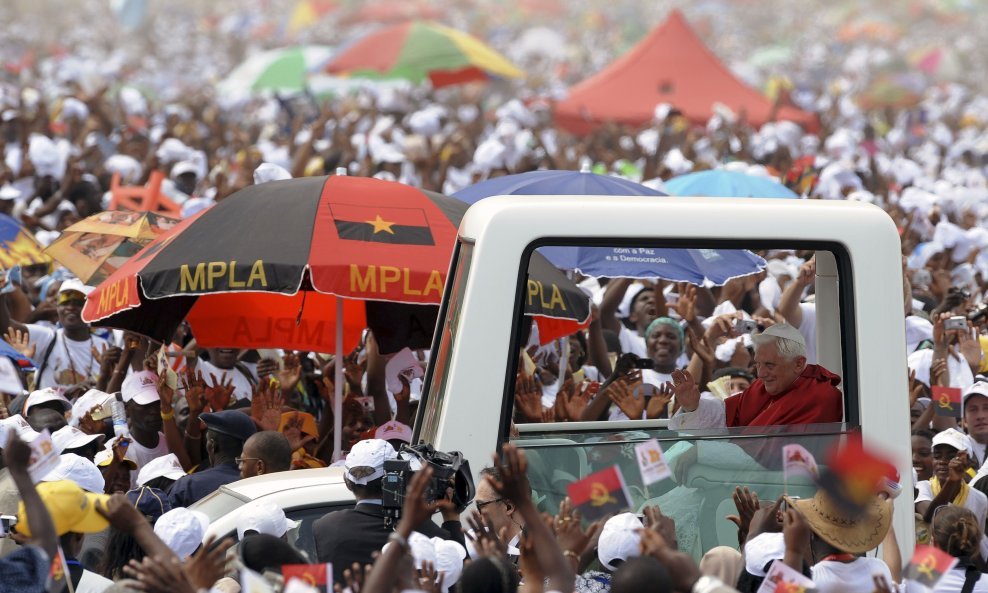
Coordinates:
[422,50]
[283,69]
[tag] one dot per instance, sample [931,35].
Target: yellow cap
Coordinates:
[72,509]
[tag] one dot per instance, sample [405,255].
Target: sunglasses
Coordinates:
[482,503]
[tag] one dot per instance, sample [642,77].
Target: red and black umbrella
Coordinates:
[265,267]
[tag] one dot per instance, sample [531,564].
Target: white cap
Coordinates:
[141,387]
[183,167]
[48,394]
[18,424]
[76,285]
[78,470]
[86,402]
[166,466]
[370,453]
[263,516]
[979,388]
[182,530]
[270,172]
[70,437]
[394,430]
[781,330]
[953,438]
[423,549]
[619,539]
[449,560]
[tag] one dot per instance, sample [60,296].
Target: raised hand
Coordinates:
[528,399]
[746,502]
[686,305]
[166,393]
[665,526]
[431,580]
[195,390]
[120,513]
[680,565]
[485,540]
[290,375]
[208,564]
[21,341]
[155,575]
[575,399]
[658,404]
[685,389]
[266,404]
[621,393]
[219,392]
[700,347]
[513,484]
[569,534]
[293,432]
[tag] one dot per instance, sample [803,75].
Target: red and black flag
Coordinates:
[600,494]
[928,566]
[947,401]
[319,576]
[399,226]
[854,475]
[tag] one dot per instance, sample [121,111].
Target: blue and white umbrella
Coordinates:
[679,265]
[720,183]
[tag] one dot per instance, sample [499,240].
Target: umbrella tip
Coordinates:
[341,170]
[585,168]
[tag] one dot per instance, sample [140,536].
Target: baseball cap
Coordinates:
[370,453]
[953,438]
[263,517]
[182,530]
[16,423]
[105,455]
[75,285]
[48,394]
[79,471]
[784,331]
[72,509]
[394,430]
[70,437]
[308,422]
[141,388]
[166,466]
[151,502]
[978,388]
[86,402]
[619,540]
[232,423]
[449,560]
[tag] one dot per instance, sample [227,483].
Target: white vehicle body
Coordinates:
[468,391]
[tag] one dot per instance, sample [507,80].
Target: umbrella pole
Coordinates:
[338,396]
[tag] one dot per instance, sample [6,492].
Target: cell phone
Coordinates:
[957,322]
[7,523]
[643,363]
[745,326]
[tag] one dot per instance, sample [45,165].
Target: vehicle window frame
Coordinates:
[846,310]
[447,321]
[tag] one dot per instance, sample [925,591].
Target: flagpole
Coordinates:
[338,395]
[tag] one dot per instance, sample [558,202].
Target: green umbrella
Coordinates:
[284,69]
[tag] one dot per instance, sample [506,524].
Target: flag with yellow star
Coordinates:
[600,494]
[402,226]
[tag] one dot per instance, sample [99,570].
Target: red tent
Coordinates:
[671,65]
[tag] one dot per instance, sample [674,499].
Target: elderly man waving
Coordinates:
[787,391]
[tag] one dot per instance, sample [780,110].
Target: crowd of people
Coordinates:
[143,431]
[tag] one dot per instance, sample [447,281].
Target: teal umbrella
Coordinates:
[284,69]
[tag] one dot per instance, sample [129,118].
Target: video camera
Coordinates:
[448,470]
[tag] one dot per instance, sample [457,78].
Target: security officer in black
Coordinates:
[226,433]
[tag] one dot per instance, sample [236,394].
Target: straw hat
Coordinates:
[842,530]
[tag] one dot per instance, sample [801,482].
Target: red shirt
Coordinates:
[812,398]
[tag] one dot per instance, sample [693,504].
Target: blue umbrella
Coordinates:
[719,183]
[679,265]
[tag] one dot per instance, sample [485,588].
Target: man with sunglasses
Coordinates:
[499,511]
[68,355]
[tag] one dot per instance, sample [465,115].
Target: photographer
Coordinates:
[352,535]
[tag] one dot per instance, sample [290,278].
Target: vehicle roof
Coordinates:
[269,484]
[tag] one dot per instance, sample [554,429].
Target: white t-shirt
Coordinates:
[850,577]
[242,386]
[65,356]
[631,342]
[976,502]
[651,381]
[142,455]
[953,581]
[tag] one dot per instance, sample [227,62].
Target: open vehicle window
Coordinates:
[581,396]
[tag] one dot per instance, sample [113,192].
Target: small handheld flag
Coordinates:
[600,493]
[947,401]
[928,566]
